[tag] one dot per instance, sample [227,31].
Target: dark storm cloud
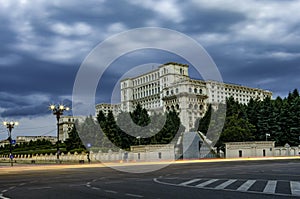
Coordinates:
[210,20]
[32,110]
[104,14]
[33,76]
[32,105]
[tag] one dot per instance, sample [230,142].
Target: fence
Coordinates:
[110,156]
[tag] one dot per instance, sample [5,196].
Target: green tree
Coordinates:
[205,120]
[140,116]
[73,142]
[236,130]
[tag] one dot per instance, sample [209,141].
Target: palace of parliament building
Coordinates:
[170,87]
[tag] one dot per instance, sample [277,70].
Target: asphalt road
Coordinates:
[243,179]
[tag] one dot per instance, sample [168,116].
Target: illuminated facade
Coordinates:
[170,87]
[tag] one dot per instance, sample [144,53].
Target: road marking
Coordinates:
[134,195]
[270,187]
[114,182]
[189,182]
[295,188]
[95,188]
[38,188]
[110,191]
[206,183]
[225,184]
[3,197]
[246,185]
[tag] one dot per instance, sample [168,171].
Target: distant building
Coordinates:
[249,149]
[25,139]
[170,87]
[259,149]
[66,124]
[4,142]
[115,108]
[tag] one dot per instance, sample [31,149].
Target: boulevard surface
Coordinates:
[195,179]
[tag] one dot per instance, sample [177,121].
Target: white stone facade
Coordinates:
[22,139]
[249,149]
[66,124]
[115,108]
[259,149]
[170,87]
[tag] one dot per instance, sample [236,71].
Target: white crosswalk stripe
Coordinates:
[246,185]
[266,186]
[270,187]
[207,183]
[189,182]
[225,184]
[295,188]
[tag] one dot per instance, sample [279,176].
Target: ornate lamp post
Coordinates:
[58,110]
[267,135]
[10,126]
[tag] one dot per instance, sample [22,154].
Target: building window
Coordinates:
[240,153]
[195,90]
[201,107]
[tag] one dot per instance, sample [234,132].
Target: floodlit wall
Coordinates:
[138,154]
[258,149]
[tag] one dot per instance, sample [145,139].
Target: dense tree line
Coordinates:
[138,128]
[243,122]
[32,147]
[279,118]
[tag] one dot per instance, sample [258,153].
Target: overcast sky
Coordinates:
[43,43]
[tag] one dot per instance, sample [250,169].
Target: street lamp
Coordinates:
[58,110]
[267,135]
[139,138]
[10,125]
